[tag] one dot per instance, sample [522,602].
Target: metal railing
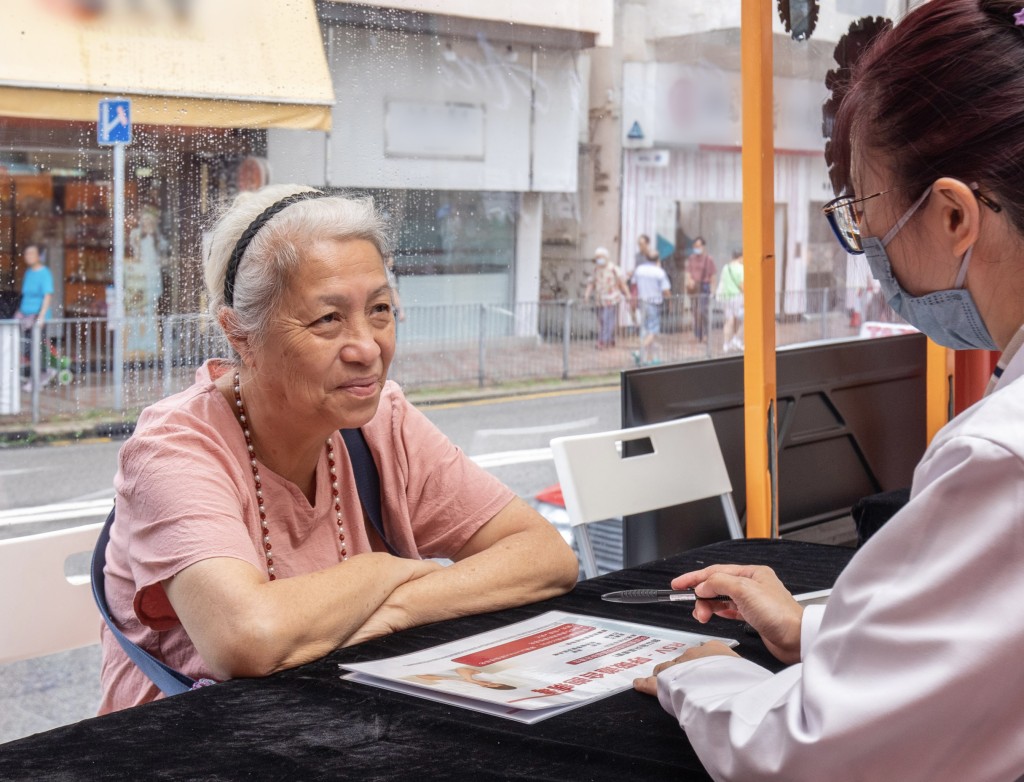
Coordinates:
[69,373]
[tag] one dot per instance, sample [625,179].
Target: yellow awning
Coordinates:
[228,63]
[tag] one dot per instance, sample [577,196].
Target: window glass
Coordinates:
[507,143]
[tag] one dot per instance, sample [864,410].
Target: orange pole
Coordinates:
[759,386]
[938,388]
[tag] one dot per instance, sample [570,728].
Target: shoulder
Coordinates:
[991,432]
[389,429]
[194,423]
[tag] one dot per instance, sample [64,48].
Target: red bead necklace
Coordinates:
[243,419]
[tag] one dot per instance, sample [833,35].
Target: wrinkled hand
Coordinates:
[756,597]
[649,684]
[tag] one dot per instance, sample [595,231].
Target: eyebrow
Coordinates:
[345,299]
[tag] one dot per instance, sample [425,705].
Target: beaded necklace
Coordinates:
[243,419]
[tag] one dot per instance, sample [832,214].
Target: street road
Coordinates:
[53,486]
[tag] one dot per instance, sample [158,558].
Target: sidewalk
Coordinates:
[97,420]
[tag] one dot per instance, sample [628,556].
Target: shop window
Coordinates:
[442,232]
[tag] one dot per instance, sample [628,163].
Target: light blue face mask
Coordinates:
[948,317]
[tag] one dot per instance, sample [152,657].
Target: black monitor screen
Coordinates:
[851,422]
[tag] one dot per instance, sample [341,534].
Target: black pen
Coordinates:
[657,596]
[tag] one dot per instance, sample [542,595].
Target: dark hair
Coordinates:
[645,237]
[699,239]
[941,94]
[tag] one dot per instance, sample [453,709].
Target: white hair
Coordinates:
[277,248]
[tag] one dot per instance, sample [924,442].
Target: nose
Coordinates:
[362,343]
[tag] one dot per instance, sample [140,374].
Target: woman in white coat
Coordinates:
[915,668]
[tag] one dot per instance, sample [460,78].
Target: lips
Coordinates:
[361,386]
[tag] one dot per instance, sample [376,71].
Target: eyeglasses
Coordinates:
[845,219]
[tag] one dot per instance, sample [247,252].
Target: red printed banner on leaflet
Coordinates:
[524,645]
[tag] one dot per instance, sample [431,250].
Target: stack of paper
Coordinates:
[534,669]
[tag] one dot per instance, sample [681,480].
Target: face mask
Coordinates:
[698,250]
[949,317]
[600,260]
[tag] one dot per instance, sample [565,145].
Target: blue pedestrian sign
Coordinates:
[115,122]
[635,132]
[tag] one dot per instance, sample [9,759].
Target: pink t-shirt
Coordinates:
[185,493]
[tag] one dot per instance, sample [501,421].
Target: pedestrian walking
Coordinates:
[607,286]
[730,294]
[700,282]
[653,288]
[36,297]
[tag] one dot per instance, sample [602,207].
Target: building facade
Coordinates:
[465,127]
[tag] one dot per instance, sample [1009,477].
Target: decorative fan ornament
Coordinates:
[799,16]
[848,51]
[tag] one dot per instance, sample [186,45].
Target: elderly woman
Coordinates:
[240,546]
[913,670]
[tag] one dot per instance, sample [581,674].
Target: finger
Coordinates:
[731,584]
[726,609]
[647,685]
[662,666]
[717,647]
[704,610]
[695,577]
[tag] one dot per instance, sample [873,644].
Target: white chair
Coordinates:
[599,483]
[42,610]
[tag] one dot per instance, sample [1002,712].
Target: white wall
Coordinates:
[297,156]
[527,265]
[560,103]
[481,121]
[677,104]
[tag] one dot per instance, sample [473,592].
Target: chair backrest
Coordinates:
[598,482]
[42,610]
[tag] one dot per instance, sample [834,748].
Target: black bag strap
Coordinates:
[367,481]
[171,681]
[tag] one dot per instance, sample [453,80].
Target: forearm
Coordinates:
[243,625]
[317,612]
[522,568]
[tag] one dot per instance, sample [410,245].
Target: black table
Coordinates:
[308,723]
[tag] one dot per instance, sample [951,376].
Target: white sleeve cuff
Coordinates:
[809,627]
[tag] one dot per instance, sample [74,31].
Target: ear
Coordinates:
[238,340]
[959,213]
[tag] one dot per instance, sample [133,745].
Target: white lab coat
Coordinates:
[915,668]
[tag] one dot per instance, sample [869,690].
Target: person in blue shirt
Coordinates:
[36,296]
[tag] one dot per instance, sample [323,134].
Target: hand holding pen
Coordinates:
[756,596]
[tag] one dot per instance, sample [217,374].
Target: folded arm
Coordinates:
[517,557]
[244,625]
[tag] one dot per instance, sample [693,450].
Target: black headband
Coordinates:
[250,232]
